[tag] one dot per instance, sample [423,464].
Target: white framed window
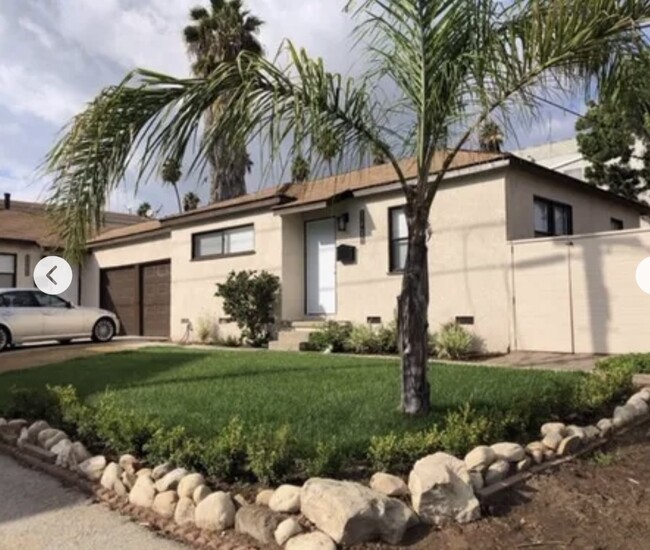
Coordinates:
[399,239]
[224,242]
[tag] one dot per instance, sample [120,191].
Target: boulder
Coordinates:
[537,456]
[640,405]
[552,440]
[645,394]
[215,512]
[287,529]
[477,481]
[240,501]
[200,493]
[120,489]
[524,465]
[3,422]
[164,504]
[35,429]
[129,464]
[479,458]
[61,446]
[389,485]
[624,415]
[143,492]
[62,451]
[184,514]
[128,480]
[23,438]
[511,452]
[263,497]
[569,445]
[111,474]
[258,522]
[170,481]
[189,484]
[93,468]
[161,471]
[592,433]
[549,455]
[497,471]
[46,434]
[553,427]
[145,472]
[577,430]
[285,499]
[535,446]
[16,425]
[311,541]
[78,454]
[351,513]
[605,426]
[441,490]
[54,440]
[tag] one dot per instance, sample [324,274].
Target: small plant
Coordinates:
[363,339]
[333,336]
[464,429]
[385,452]
[453,341]
[249,298]
[32,404]
[206,329]
[326,461]
[225,456]
[388,338]
[603,459]
[175,445]
[229,342]
[271,454]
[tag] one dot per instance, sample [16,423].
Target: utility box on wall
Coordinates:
[346,254]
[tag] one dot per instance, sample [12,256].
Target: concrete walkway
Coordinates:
[38,513]
[545,360]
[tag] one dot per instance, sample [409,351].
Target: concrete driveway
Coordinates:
[27,357]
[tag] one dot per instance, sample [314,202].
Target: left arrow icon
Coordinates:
[49,274]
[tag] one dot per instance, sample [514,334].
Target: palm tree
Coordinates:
[490,137]
[300,169]
[218,35]
[171,173]
[144,210]
[452,64]
[191,201]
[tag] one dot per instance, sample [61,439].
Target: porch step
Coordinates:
[308,326]
[290,340]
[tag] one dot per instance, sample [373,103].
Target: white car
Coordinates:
[29,315]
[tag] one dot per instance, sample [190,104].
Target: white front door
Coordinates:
[321,267]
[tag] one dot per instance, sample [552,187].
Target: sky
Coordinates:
[56,55]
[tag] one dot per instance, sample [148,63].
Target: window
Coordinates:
[7,270]
[616,224]
[18,298]
[398,239]
[226,242]
[46,300]
[552,218]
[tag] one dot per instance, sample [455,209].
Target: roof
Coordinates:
[290,195]
[28,222]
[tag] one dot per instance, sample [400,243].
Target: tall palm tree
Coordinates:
[218,35]
[171,174]
[144,210]
[452,64]
[300,169]
[490,137]
[191,201]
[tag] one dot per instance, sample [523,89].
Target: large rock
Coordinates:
[170,481]
[185,509]
[553,427]
[639,405]
[624,415]
[477,481]
[569,445]
[552,440]
[23,438]
[605,426]
[129,464]
[128,480]
[215,512]
[189,484]
[441,490]
[287,529]
[111,474]
[200,493]
[61,446]
[497,471]
[591,432]
[644,394]
[62,451]
[479,458]
[143,492]
[161,471]
[257,522]
[511,452]
[3,422]
[50,434]
[264,497]
[164,504]
[389,485]
[93,468]
[578,431]
[71,456]
[16,425]
[286,499]
[351,513]
[35,429]
[311,541]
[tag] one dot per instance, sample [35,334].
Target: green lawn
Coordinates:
[320,396]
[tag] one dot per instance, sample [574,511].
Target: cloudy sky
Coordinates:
[55,55]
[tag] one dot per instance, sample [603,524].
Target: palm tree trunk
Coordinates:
[178,198]
[413,317]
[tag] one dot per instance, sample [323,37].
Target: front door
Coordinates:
[321,267]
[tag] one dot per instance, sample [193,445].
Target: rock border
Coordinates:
[179,504]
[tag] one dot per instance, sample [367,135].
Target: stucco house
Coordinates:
[338,246]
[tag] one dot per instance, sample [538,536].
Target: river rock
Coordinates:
[188,484]
[48,433]
[200,493]
[389,485]
[128,480]
[170,481]
[93,468]
[605,426]
[510,452]
[497,471]
[569,445]
[287,529]
[479,458]
[215,512]
[129,464]
[311,541]
[553,427]
[143,492]
[552,440]
[161,471]
[185,509]
[286,499]
[477,481]
[35,429]
[164,504]
[264,497]
[624,415]
[111,474]
[258,522]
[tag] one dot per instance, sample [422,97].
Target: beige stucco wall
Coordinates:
[591,213]
[582,297]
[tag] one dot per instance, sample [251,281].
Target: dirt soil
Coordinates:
[589,504]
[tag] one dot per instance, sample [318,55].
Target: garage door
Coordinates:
[140,296]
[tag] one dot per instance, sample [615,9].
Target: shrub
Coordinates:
[453,341]
[175,445]
[228,342]
[398,453]
[332,335]
[271,454]
[249,298]
[206,329]
[388,338]
[32,404]
[385,452]
[226,454]
[326,460]
[610,382]
[363,339]
[465,429]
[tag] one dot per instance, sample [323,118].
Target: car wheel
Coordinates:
[104,330]
[5,339]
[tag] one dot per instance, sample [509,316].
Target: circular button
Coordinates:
[53,275]
[643,275]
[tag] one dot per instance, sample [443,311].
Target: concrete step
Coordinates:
[289,340]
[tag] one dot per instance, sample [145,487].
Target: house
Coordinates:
[26,236]
[338,246]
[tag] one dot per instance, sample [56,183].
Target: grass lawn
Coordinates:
[320,396]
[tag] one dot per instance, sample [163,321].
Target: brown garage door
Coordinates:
[140,295]
[156,285]
[119,294]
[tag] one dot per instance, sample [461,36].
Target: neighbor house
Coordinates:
[339,247]
[26,236]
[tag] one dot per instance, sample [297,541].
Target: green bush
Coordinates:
[333,336]
[326,461]
[175,445]
[249,298]
[453,341]
[466,428]
[364,339]
[226,454]
[388,338]
[32,404]
[271,454]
